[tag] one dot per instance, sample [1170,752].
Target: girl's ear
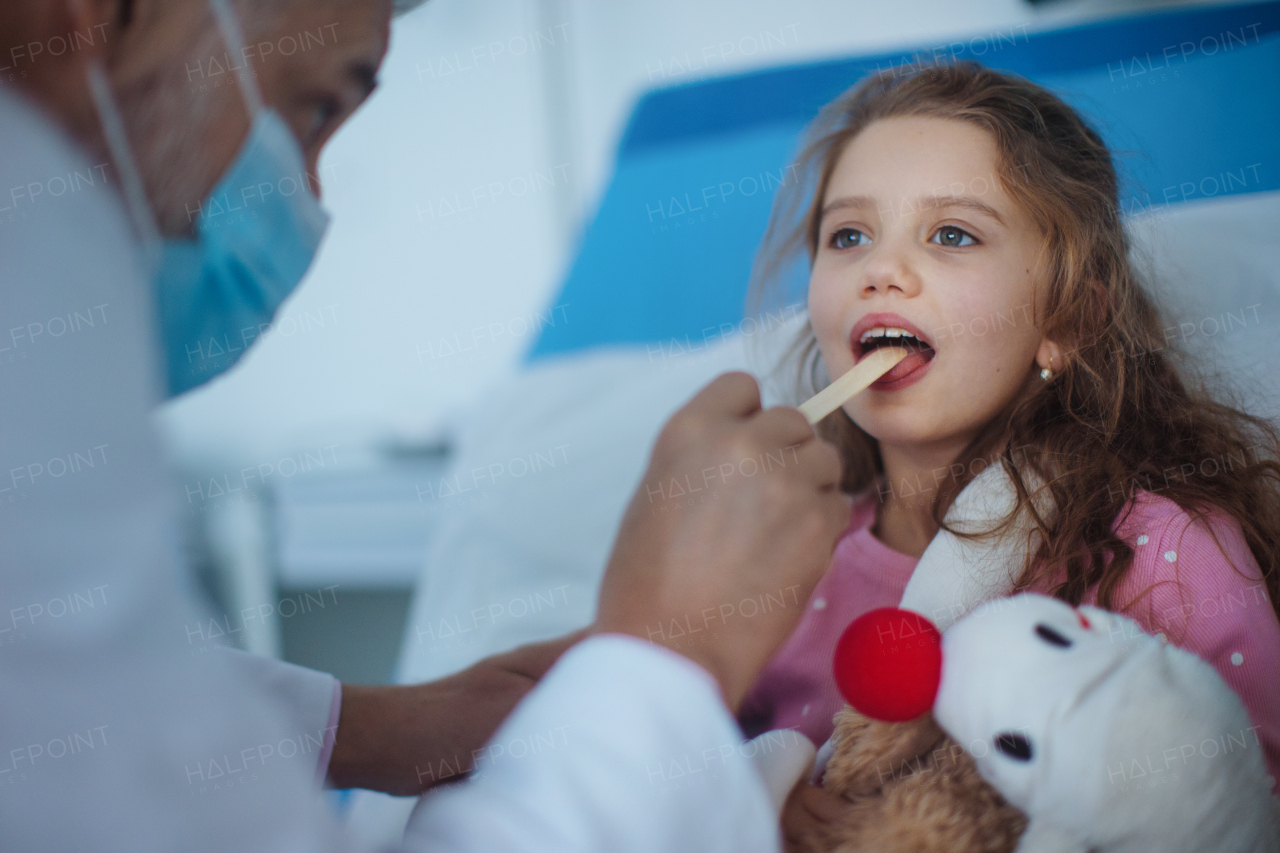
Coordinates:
[1049,355]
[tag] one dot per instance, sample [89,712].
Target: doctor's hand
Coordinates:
[403,739]
[729,532]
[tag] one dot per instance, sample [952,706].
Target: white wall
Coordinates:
[513,109]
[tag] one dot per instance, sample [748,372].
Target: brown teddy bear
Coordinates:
[910,788]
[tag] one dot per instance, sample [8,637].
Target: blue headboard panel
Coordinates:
[1188,100]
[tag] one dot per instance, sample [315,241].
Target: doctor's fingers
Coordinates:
[729,394]
[816,463]
[783,426]
[533,660]
[806,477]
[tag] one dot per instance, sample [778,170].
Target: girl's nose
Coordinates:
[889,271]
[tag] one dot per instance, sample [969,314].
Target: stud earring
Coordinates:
[1046,373]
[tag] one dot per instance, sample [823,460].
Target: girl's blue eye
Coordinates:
[847,238]
[949,235]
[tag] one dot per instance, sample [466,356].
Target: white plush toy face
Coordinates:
[1017,673]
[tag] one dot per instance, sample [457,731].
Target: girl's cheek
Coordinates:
[970,323]
[824,303]
[824,314]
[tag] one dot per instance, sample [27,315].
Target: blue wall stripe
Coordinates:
[795,93]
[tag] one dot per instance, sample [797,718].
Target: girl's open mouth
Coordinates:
[904,373]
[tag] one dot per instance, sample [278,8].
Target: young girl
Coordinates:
[978,213]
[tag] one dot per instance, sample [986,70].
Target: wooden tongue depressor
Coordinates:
[869,368]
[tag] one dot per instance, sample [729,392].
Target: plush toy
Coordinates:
[1102,737]
[910,787]
[1105,739]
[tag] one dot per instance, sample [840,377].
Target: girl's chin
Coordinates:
[900,427]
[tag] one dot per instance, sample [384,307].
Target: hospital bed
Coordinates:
[653,303]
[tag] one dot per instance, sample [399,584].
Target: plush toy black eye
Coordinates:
[1014,746]
[1051,636]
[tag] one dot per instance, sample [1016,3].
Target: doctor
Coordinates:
[118,737]
[184,120]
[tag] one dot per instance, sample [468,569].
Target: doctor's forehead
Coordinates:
[327,42]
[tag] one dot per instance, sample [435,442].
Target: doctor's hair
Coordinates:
[1124,408]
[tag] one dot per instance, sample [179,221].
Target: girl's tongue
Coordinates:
[908,364]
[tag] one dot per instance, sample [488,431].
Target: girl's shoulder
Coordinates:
[1165,536]
[1188,566]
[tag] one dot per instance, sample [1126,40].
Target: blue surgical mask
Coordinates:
[256,235]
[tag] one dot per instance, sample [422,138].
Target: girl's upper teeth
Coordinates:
[885,332]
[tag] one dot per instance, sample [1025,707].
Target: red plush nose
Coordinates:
[888,664]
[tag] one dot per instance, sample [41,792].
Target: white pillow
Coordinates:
[1216,266]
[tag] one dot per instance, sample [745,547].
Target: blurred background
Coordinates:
[439,426]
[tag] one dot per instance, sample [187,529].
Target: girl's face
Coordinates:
[916,224]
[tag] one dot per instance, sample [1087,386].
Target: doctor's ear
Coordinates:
[91,22]
[93,27]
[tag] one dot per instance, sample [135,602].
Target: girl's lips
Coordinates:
[887,319]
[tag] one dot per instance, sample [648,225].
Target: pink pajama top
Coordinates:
[1193,596]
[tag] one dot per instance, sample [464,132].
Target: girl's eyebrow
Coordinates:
[934,202]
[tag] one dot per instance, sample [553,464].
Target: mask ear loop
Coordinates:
[135,193]
[234,38]
[132,186]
